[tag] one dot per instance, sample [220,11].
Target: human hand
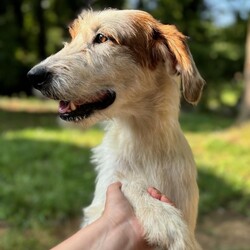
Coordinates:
[118,228]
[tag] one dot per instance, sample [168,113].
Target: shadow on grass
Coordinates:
[18,120]
[217,194]
[12,120]
[191,121]
[204,122]
[43,182]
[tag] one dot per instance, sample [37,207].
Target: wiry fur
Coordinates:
[145,63]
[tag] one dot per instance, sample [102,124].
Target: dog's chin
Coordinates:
[79,111]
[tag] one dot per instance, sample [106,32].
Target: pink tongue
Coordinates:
[64,107]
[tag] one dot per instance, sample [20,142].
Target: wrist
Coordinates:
[126,234]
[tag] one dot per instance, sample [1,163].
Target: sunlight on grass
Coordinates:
[46,174]
[226,152]
[30,104]
[223,161]
[87,138]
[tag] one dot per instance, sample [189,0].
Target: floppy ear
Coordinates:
[182,63]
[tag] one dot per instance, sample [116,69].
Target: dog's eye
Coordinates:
[100,38]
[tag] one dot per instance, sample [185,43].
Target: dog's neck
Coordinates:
[149,133]
[153,120]
[149,137]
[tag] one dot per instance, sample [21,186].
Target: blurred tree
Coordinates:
[32,29]
[244,113]
[42,40]
[12,38]
[119,4]
[239,33]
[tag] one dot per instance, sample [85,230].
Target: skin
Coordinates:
[117,228]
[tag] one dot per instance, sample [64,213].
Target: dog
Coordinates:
[128,69]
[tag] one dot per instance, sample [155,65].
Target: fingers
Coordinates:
[114,191]
[115,188]
[155,193]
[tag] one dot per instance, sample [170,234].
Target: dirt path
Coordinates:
[217,231]
[224,231]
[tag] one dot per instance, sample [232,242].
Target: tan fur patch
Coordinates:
[142,41]
[74,28]
[176,43]
[183,63]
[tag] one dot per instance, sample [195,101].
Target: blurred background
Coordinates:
[45,173]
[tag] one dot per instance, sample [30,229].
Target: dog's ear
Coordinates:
[181,61]
[74,28]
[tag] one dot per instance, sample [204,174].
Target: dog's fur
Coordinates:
[146,63]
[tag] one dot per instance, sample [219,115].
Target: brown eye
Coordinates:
[100,38]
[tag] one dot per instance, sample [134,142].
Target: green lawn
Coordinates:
[46,177]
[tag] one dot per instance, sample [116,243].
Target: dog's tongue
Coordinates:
[64,107]
[69,106]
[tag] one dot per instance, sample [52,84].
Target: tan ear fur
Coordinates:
[74,28]
[149,48]
[183,63]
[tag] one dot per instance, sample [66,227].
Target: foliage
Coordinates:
[37,28]
[46,177]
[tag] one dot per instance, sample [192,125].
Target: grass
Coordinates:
[46,177]
[223,161]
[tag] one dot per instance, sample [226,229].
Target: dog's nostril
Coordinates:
[38,76]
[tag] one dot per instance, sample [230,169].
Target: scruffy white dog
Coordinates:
[125,67]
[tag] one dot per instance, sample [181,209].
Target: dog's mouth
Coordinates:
[79,110]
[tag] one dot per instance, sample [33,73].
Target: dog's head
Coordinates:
[112,54]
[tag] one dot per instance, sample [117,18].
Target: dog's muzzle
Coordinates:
[70,111]
[42,79]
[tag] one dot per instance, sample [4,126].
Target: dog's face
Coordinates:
[113,56]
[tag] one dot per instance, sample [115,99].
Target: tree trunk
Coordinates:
[42,31]
[244,113]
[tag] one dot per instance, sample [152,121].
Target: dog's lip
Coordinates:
[64,106]
[69,106]
[78,110]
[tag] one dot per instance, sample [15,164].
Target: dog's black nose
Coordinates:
[39,76]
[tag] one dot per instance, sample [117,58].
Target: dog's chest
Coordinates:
[125,161]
